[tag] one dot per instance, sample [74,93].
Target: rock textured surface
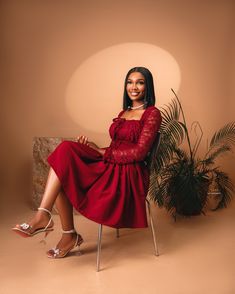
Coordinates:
[42,147]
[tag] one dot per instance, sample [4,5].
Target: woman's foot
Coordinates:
[70,240]
[41,222]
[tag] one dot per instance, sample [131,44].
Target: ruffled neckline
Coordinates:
[124,119]
[131,120]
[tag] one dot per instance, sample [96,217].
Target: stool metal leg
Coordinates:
[98,248]
[152,229]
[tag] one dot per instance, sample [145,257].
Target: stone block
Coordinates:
[42,147]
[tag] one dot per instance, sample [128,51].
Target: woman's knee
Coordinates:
[66,145]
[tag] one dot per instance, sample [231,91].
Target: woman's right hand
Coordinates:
[82,140]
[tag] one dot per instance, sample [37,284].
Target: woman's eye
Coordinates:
[141,82]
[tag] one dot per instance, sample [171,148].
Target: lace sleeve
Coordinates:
[136,152]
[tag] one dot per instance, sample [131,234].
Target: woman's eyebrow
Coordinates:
[136,79]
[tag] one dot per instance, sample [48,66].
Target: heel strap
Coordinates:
[44,209]
[67,232]
[48,211]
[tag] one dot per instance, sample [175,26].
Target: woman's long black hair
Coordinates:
[149,97]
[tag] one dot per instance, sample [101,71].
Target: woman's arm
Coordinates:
[138,151]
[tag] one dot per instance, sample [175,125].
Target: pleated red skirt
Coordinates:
[107,193]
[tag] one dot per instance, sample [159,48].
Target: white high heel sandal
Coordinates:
[60,253]
[22,228]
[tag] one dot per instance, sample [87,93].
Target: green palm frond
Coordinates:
[225,188]
[172,134]
[159,192]
[184,122]
[215,153]
[164,155]
[154,187]
[224,135]
[196,125]
[181,154]
[171,112]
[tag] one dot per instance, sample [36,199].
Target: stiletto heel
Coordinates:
[44,239]
[22,228]
[79,252]
[60,253]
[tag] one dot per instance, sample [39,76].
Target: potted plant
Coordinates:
[180,180]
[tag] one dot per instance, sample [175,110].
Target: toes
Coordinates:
[50,253]
[17,226]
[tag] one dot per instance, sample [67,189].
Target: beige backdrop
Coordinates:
[44,42]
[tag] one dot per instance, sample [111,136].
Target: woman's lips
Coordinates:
[134,93]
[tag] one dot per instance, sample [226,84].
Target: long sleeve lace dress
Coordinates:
[110,189]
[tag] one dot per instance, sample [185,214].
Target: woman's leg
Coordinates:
[54,194]
[52,189]
[65,210]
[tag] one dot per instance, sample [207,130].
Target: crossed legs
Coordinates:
[54,194]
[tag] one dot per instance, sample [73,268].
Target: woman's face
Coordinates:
[135,86]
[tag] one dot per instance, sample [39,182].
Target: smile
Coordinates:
[134,93]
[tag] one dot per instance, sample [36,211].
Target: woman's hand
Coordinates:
[84,140]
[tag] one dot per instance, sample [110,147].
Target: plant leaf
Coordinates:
[224,135]
[215,153]
[225,187]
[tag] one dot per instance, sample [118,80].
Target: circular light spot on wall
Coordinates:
[95,90]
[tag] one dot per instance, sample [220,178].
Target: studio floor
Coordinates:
[197,256]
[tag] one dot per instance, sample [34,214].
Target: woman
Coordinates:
[107,185]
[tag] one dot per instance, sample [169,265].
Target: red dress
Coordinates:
[110,189]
